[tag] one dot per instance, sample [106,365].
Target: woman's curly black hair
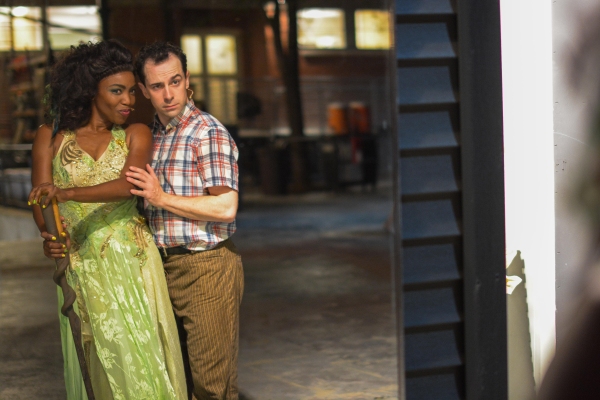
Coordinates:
[74,81]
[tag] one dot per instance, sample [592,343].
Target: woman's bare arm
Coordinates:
[41,170]
[139,139]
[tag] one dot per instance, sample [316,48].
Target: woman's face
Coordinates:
[116,97]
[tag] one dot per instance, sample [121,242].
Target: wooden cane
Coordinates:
[54,227]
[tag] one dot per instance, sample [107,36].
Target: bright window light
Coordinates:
[192,47]
[221,54]
[4,29]
[372,29]
[65,18]
[321,28]
[27,29]
[20,11]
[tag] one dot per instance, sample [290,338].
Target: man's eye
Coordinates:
[176,82]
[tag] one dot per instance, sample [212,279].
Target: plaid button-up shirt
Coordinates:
[191,154]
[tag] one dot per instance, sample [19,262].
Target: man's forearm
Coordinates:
[219,208]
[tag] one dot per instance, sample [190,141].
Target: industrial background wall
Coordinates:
[450,253]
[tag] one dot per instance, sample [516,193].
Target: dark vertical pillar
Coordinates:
[480,78]
[105,18]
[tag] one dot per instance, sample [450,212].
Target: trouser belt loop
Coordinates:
[169,251]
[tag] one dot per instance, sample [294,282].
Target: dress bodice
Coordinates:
[73,167]
[91,223]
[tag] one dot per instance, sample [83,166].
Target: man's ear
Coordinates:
[144,90]
[187,79]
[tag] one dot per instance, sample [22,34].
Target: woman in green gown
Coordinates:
[128,328]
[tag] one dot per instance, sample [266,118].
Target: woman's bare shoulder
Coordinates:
[136,128]
[43,136]
[44,139]
[138,133]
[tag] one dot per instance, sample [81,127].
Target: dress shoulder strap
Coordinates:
[118,132]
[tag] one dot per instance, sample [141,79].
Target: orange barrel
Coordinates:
[337,119]
[360,117]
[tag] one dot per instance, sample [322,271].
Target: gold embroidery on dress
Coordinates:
[139,237]
[104,246]
[139,231]
[121,143]
[89,172]
[70,152]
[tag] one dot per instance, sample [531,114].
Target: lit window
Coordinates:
[213,66]
[321,28]
[27,30]
[372,29]
[83,18]
[221,57]
[192,47]
[4,29]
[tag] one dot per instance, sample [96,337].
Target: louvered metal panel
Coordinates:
[429,174]
[424,7]
[449,259]
[428,129]
[427,79]
[440,386]
[429,219]
[426,85]
[423,41]
[430,264]
[432,350]
[432,307]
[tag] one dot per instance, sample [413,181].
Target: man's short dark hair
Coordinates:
[156,53]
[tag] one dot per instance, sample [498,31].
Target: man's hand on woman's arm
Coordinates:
[219,206]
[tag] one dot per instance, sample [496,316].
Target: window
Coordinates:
[221,55]
[321,28]
[192,47]
[372,29]
[27,30]
[27,27]
[83,18]
[214,75]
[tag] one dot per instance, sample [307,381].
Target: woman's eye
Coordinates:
[116,91]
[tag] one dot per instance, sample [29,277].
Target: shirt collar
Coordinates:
[183,115]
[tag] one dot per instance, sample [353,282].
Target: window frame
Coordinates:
[349,10]
[204,74]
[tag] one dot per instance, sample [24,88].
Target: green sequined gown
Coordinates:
[128,328]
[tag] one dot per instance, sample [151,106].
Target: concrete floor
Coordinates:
[316,318]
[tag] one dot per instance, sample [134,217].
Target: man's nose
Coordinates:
[168,93]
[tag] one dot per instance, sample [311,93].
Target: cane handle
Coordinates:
[59,227]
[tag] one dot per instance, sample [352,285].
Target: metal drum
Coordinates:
[337,119]
[359,117]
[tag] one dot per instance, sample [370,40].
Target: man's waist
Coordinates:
[183,249]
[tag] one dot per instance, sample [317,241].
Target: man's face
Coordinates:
[166,87]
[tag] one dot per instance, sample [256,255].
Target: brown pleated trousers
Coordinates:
[206,290]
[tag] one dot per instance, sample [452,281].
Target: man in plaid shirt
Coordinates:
[190,197]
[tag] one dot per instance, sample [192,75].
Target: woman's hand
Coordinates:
[53,248]
[48,190]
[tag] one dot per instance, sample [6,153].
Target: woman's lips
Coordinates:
[125,112]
